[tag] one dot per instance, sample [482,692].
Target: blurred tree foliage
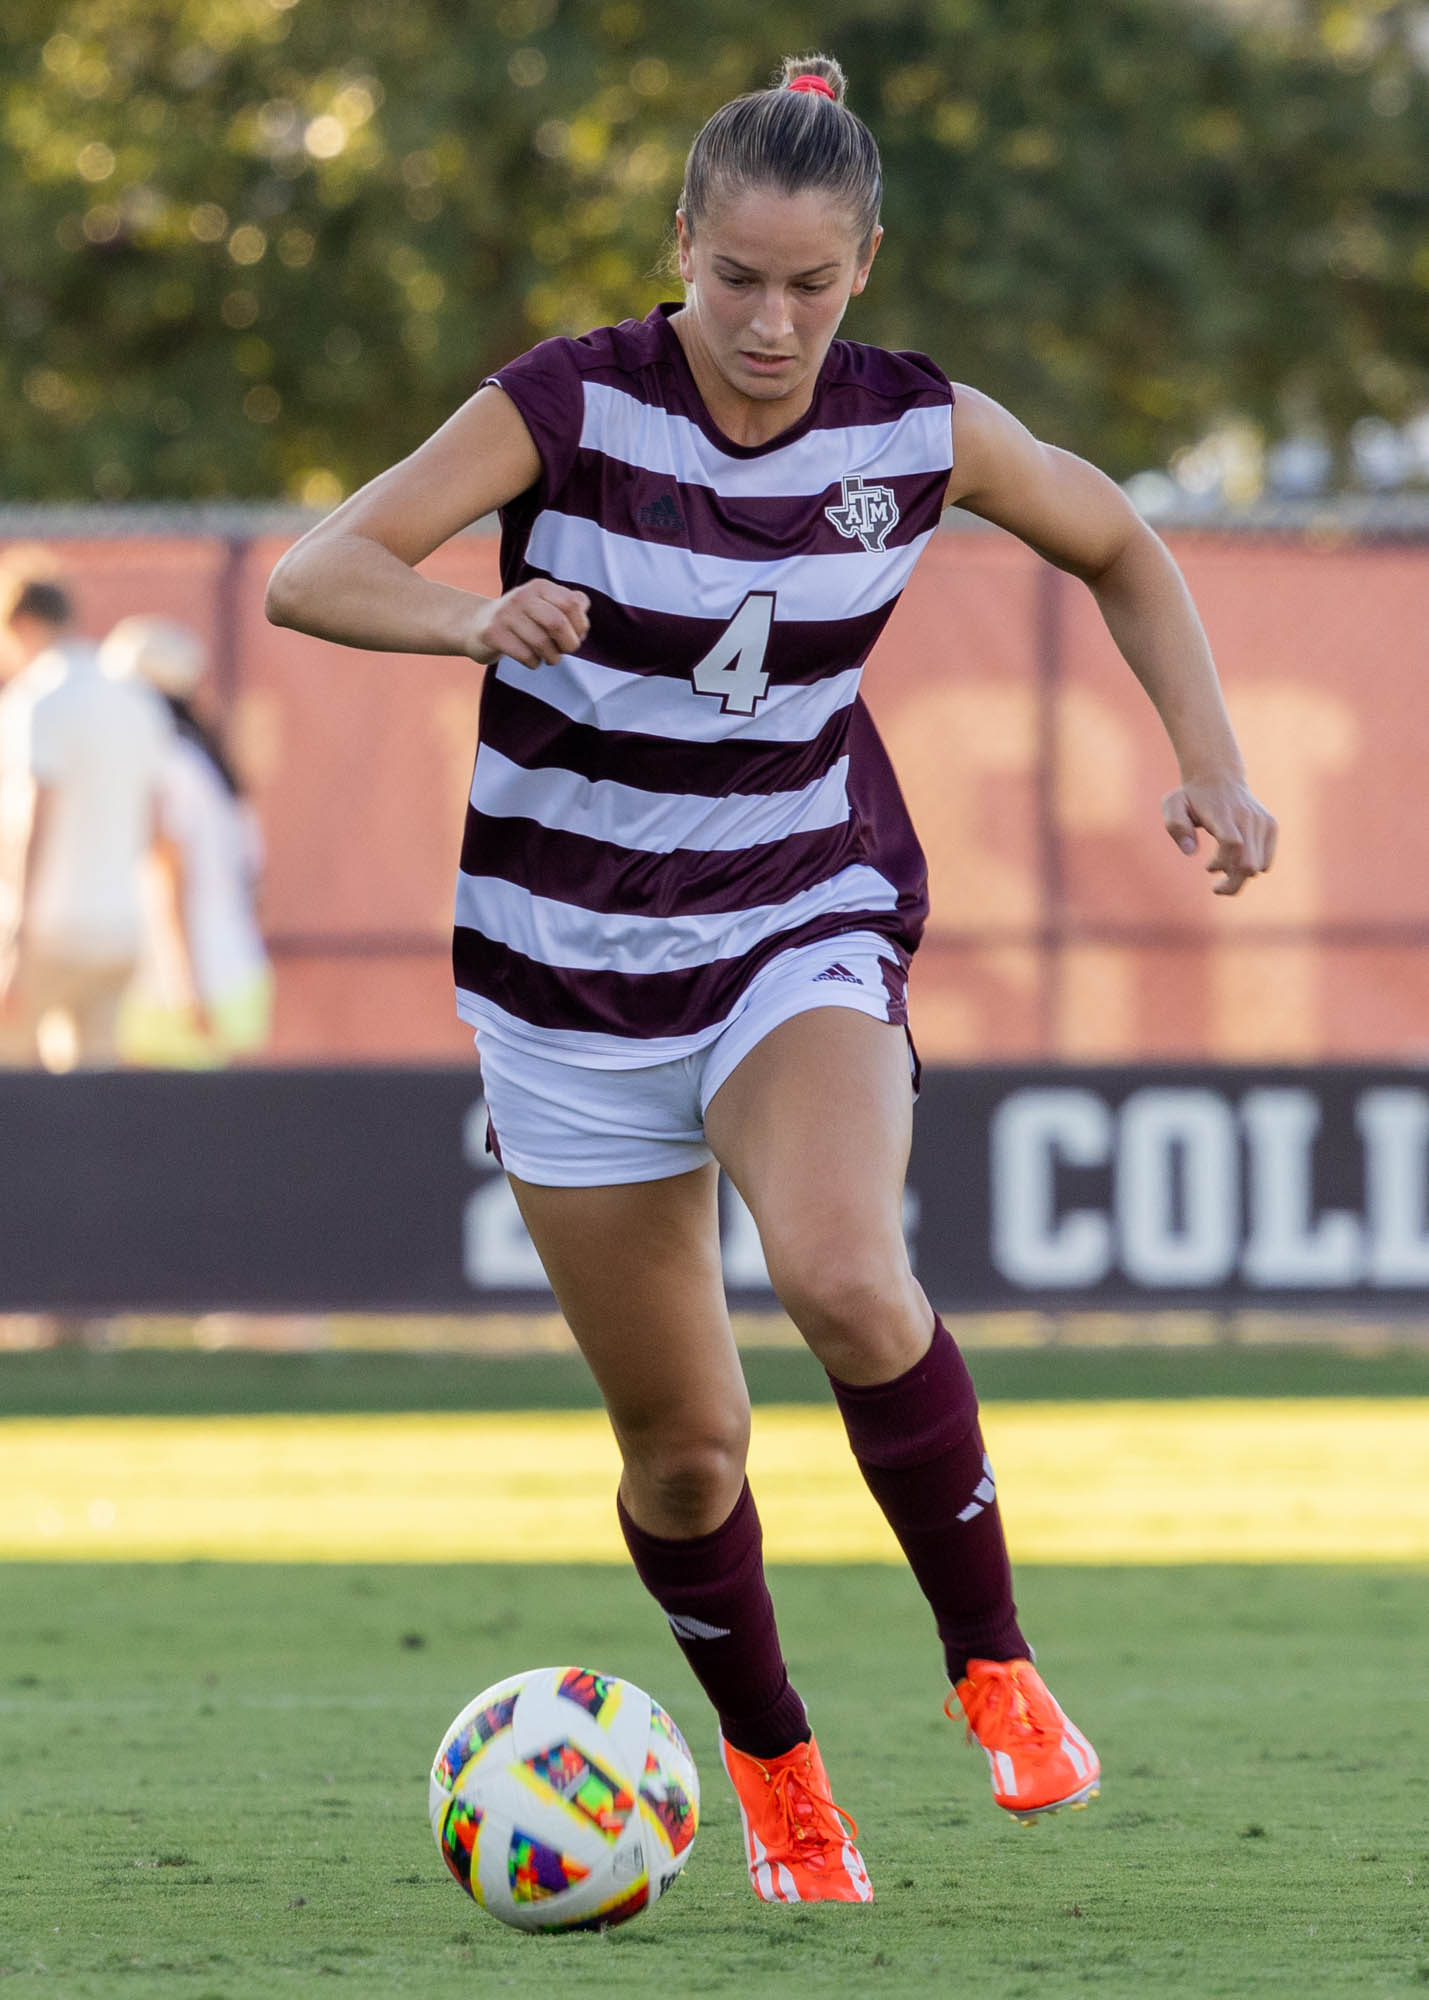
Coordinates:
[261,247]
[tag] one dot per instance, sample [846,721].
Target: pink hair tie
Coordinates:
[812,82]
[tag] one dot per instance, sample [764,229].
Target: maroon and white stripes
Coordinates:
[700,787]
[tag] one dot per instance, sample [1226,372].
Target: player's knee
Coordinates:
[831,1288]
[687,1479]
[859,1307]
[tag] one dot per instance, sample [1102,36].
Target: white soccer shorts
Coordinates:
[564,1124]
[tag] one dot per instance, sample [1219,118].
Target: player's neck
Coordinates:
[744,420]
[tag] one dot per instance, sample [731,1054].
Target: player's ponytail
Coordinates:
[800,135]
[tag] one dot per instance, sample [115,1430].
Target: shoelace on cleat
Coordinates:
[1001,1702]
[799,1805]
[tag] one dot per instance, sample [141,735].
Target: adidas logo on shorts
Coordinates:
[840,973]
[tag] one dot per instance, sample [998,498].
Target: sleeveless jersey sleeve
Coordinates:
[545,385]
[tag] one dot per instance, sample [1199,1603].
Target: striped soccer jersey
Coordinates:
[653,819]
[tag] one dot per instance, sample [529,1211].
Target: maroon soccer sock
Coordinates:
[920,1449]
[712,1590]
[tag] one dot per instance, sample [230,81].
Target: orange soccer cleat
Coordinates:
[798,1843]
[1040,1761]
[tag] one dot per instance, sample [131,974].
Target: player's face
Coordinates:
[767,279]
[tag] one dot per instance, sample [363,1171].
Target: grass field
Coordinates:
[1206,1480]
[214,1788]
[61,1382]
[212,1774]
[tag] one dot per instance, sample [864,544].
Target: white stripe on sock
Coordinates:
[694,1628]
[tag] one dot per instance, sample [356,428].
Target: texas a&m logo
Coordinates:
[867,515]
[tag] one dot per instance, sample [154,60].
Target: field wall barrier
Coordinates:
[1065,925]
[1034,1187]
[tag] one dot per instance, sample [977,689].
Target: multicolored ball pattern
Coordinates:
[563,1799]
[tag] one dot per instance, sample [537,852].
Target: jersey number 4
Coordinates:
[733,668]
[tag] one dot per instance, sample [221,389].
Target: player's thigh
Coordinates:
[814,1128]
[636,1272]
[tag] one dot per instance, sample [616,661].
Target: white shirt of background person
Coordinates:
[222,847]
[216,834]
[97,746]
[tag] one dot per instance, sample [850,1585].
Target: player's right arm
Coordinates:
[353,578]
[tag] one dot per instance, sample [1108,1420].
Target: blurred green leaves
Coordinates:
[262,247]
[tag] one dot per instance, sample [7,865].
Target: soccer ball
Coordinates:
[564,1800]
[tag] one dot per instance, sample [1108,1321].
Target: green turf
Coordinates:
[212,1787]
[77,1381]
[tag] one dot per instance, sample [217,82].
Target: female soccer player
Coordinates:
[689,890]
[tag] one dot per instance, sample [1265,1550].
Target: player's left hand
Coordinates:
[1226,809]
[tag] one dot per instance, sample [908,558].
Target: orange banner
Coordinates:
[1064,925]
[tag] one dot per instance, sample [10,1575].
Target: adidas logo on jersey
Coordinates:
[661,515]
[839,972]
[868,513]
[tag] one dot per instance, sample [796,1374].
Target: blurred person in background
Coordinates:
[80,761]
[204,990]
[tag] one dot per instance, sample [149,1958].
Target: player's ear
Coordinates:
[684,245]
[865,262]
